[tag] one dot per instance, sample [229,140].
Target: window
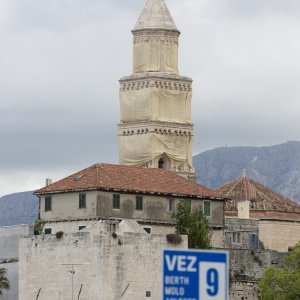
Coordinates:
[147,229]
[48,231]
[170,206]
[206,209]
[236,237]
[48,203]
[148,294]
[254,242]
[116,201]
[81,227]
[139,203]
[82,200]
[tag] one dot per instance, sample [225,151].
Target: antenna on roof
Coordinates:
[48,181]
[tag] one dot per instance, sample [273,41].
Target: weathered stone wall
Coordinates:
[65,206]
[9,256]
[279,235]
[217,238]
[246,269]
[243,227]
[126,266]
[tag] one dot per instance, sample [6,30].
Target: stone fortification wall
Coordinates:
[9,256]
[126,266]
[246,269]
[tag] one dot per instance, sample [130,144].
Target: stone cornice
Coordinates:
[159,80]
[164,128]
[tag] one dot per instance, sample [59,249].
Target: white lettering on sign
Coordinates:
[174,291]
[182,263]
[177,280]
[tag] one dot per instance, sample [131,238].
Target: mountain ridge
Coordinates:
[277,166]
[19,208]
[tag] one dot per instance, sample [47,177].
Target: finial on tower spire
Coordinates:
[155,15]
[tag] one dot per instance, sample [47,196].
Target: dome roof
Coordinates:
[261,198]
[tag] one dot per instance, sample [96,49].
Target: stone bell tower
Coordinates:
[155,128]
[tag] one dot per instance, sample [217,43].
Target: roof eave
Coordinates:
[130,192]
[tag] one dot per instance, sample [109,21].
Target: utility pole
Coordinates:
[72,271]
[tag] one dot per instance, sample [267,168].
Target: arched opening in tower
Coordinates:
[161,163]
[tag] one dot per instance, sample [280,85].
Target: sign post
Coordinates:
[195,275]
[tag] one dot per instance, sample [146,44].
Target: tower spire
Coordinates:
[155,128]
[155,15]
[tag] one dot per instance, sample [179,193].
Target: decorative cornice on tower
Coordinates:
[155,15]
[131,83]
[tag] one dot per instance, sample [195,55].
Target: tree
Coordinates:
[193,224]
[283,283]
[4,283]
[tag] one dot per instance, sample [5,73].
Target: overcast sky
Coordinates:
[60,62]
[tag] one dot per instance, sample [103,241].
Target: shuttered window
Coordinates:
[48,203]
[82,200]
[116,201]
[207,208]
[139,203]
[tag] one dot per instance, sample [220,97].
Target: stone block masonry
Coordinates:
[126,266]
[246,269]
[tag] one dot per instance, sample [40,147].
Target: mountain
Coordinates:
[277,167]
[18,208]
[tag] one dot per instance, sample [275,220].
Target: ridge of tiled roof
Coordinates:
[261,197]
[129,179]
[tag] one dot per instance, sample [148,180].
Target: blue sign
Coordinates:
[195,275]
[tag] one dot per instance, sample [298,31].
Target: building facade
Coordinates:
[278,216]
[147,195]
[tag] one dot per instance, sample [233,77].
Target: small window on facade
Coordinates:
[236,237]
[82,200]
[148,294]
[48,231]
[116,201]
[139,203]
[81,227]
[147,229]
[48,203]
[206,208]
[170,206]
[254,242]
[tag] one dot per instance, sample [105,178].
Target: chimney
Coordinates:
[244,209]
[48,181]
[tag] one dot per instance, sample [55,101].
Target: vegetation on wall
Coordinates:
[4,283]
[39,226]
[193,224]
[59,234]
[174,238]
[283,283]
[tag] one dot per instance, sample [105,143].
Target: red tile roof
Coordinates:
[129,179]
[263,201]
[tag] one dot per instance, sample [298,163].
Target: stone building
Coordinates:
[125,264]
[155,128]
[279,217]
[116,192]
